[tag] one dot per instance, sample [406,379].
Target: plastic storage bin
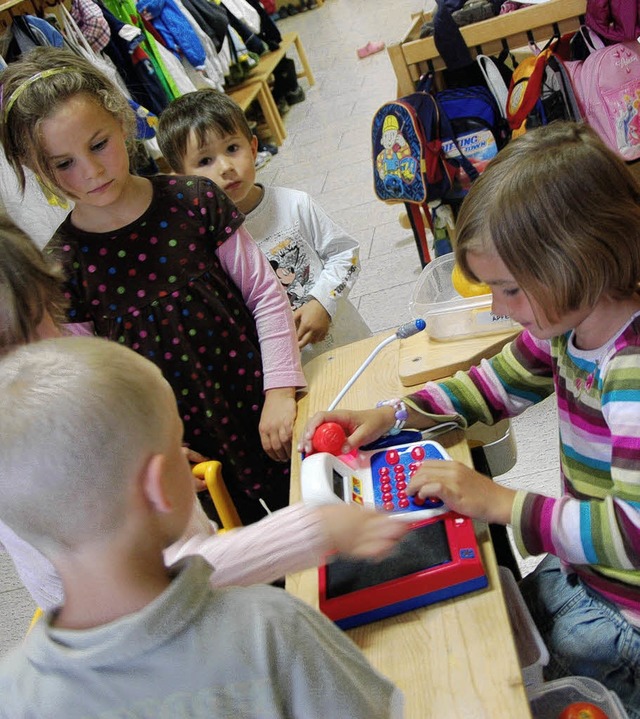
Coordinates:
[448,315]
[549,699]
[532,652]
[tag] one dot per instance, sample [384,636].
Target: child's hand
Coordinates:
[464,490]
[312,323]
[361,532]
[361,426]
[195,458]
[276,422]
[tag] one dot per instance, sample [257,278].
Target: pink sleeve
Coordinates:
[286,541]
[265,297]
[80,329]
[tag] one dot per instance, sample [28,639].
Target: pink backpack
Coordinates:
[607,87]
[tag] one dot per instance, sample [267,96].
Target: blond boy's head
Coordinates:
[81,419]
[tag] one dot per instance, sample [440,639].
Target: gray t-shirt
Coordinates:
[198,653]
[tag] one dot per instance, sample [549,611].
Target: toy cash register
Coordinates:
[437,559]
[375,476]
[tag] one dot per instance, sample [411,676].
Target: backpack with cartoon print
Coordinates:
[409,162]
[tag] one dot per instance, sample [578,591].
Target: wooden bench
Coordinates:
[414,56]
[269,60]
[258,90]
[256,86]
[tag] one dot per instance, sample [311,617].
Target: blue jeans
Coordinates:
[585,634]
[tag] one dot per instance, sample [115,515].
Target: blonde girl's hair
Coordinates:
[34,88]
[30,287]
[562,211]
[201,112]
[80,418]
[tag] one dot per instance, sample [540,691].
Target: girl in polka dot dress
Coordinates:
[164,266]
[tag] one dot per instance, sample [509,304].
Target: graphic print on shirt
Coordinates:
[291,258]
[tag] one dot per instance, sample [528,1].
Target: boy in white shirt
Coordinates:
[206,133]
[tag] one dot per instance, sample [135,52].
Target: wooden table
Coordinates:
[452,659]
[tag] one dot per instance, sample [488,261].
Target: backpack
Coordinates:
[540,92]
[607,86]
[477,130]
[616,20]
[409,164]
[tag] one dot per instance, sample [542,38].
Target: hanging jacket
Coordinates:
[124,49]
[126,12]
[615,20]
[175,29]
[92,23]
[269,32]
[211,18]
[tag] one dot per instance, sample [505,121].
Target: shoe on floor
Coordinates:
[262,158]
[295,96]
[271,149]
[283,106]
[370,48]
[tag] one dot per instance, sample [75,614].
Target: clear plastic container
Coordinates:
[532,652]
[448,315]
[549,699]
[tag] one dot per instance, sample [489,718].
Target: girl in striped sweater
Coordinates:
[553,227]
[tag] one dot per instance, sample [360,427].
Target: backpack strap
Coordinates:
[416,214]
[425,85]
[495,82]
[446,130]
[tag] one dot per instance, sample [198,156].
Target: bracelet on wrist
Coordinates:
[401,414]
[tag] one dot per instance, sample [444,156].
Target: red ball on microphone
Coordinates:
[329,437]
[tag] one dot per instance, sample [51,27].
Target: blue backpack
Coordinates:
[409,163]
[476,129]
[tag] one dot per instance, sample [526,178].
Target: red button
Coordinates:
[401,485]
[387,497]
[418,501]
[392,456]
[403,503]
[383,471]
[388,506]
[399,469]
[418,453]
[413,466]
[385,487]
[402,495]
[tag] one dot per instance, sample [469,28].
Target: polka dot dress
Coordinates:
[157,286]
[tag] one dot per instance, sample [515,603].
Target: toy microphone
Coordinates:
[405,330]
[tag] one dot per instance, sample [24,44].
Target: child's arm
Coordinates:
[339,254]
[289,540]
[597,521]
[515,379]
[247,266]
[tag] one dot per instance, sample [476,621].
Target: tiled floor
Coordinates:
[327,153]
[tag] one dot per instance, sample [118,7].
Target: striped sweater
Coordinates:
[594,528]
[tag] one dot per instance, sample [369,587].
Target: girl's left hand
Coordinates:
[276,422]
[463,490]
